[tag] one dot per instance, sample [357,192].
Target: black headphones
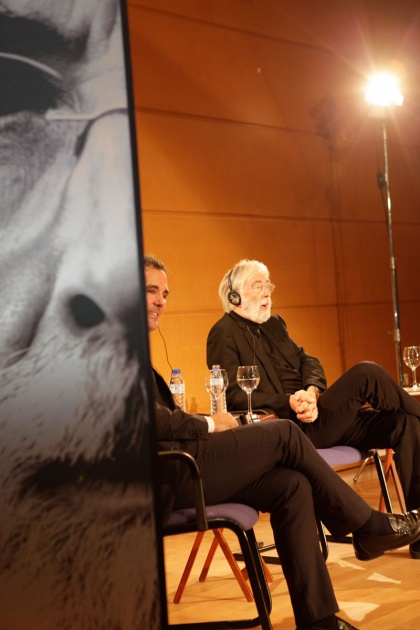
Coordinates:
[233,297]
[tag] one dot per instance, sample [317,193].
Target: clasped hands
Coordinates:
[304,404]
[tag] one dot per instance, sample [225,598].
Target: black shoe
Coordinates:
[330,623]
[344,625]
[406,531]
[415,550]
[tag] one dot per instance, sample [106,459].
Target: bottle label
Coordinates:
[177,388]
[216,385]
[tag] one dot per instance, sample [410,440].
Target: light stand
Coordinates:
[383,91]
[393,266]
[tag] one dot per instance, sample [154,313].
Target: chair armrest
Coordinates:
[199,502]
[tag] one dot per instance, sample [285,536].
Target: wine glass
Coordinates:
[411,357]
[216,382]
[248,378]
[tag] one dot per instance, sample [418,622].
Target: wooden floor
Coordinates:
[383,594]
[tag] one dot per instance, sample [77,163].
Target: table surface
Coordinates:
[412,392]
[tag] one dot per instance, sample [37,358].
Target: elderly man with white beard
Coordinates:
[293,383]
[76,534]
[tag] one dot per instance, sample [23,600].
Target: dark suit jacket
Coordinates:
[174,426]
[231,343]
[177,430]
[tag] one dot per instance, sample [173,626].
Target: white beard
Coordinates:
[77,560]
[73,556]
[252,311]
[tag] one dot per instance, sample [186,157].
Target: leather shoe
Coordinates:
[415,550]
[330,623]
[344,625]
[406,529]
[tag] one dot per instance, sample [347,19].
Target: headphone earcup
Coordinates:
[234,298]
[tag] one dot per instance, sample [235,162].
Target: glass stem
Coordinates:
[249,404]
[414,377]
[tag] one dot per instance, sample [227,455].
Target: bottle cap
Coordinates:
[176,371]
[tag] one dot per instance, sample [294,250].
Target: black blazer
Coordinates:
[178,430]
[174,426]
[231,343]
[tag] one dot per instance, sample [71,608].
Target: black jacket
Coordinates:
[231,343]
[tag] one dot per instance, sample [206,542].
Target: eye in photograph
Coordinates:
[26,86]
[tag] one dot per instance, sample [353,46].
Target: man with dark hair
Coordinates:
[274,468]
[293,384]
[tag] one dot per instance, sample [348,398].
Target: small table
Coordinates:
[412,391]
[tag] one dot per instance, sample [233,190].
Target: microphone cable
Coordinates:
[253,343]
[166,349]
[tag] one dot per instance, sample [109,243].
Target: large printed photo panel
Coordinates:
[78,547]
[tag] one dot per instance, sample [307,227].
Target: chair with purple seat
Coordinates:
[238,518]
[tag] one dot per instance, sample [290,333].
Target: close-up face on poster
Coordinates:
[77,527]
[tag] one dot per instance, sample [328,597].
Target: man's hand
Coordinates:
[304,405]
[224,421]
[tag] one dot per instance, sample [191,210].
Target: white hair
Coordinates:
[242,271]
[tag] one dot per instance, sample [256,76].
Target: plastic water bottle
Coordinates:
[216,382]
[177,387]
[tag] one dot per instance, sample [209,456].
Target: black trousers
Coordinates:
[274,468]
[392,421]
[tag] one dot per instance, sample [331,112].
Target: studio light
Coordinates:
[383,92]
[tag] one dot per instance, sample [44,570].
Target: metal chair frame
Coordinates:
[200,520]
[241,575]
[385,503]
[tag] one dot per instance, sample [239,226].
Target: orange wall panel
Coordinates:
[232,75]
[208,247]
[202,166]
[255,141]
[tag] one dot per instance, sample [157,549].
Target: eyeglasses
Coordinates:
[34,76]
[259,287]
